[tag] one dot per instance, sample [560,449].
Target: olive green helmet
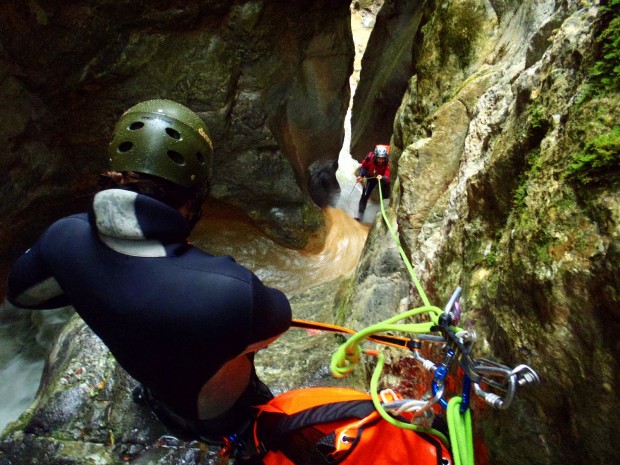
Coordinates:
[165,139]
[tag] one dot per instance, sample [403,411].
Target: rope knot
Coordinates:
[344,360]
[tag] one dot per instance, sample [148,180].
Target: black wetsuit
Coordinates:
[171,314]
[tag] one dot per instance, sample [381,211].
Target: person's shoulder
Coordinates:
[76,217]
[205,262]
[71,221]
[65,231]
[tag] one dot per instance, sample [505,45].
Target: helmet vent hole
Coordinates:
[136,125]
[173,133]
[125,146]
[176,157]
[200,157]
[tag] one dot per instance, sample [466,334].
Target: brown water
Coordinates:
[227,231]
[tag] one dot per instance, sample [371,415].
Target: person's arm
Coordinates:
[260,345]
[365,164]
[362,171]
[271,315]
[386,175]
[31,284]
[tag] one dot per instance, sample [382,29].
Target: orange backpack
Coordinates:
[327,426]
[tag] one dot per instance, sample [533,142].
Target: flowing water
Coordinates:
[226,232]
[25,338]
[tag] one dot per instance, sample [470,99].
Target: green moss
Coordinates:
[539,241]
[599,159]
[535,165]
[462,22]
[520,193]
[491,257]
[542,252]
[536,116]
[605,74]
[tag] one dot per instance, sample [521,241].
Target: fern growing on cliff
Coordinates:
[599,159]
[605,74]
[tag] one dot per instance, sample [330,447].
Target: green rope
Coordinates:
[348,354]
[345,358]
[459,425]
[461,436]
[415,279]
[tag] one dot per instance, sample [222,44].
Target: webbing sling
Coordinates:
[395,341]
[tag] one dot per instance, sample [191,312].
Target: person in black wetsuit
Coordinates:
[182,322]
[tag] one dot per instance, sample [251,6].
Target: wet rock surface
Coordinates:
[487,144]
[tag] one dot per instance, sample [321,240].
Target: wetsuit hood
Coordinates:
[126,215]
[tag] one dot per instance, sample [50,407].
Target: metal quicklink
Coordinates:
[415,347]
[504,379]
[495,400]
[526,375]
[509,380]
[417,407]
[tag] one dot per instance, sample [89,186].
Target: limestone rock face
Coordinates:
[387,65]
[270,79]
[506,150]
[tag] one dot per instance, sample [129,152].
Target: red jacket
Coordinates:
[370,168]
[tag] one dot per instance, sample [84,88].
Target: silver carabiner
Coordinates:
[521,375]
[526,375]
[496,401]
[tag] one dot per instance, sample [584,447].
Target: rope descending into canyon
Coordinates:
[458,414]
[461,435]
[493,382]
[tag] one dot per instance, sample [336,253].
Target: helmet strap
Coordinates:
[192,210]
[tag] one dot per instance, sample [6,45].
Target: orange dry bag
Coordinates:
[327,426]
